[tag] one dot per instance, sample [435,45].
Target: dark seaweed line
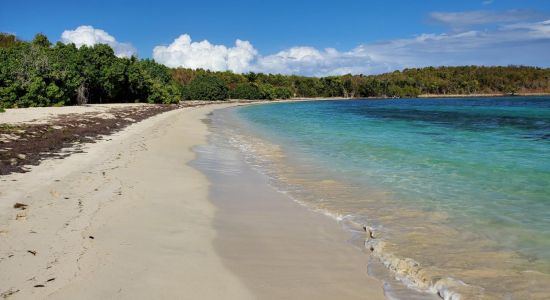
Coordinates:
[65,135]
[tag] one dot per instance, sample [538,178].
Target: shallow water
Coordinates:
[456,191]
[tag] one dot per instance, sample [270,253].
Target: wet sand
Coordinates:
[280,249]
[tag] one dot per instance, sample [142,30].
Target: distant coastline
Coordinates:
[482,95]
[419,96]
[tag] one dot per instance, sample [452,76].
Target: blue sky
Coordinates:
[293,36]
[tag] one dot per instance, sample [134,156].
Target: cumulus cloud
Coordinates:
[468,19]
[183,52]
[89,36]
[311,61]
[525,43]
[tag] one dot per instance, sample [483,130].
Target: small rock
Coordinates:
[21,156]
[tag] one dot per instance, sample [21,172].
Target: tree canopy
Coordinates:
[38,73]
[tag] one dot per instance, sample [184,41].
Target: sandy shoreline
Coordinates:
[128,219]
[279,248]
[146,210]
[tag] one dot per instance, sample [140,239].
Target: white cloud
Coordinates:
[311,61]
[89,36]
[182,52]
[461,20]
[525,43]
[243,57]
[517,43]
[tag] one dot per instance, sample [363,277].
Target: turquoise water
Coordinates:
[480,168]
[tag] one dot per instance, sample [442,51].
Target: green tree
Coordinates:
[207,87]
[41,40]
[246,91]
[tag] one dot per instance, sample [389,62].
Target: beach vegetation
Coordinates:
[247,91]
[206,87]
[39,73]
[408,83]
[8,40]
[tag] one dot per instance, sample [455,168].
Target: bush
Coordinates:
[2,110]
[206,87]
[281,93]
[270,92]
[246,91]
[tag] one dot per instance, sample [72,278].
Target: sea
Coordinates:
[450,196]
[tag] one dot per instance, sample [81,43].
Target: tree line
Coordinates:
[38,73]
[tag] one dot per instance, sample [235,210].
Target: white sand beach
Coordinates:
[130,219]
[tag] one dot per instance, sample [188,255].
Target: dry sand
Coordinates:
[41,115]
[130,219]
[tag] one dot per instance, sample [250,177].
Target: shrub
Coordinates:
[206,87]
[246,91]
[281,93]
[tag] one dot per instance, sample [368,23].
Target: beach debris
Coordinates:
[32,252]
[370,232]
[20,205]
[21,156]
[51,279]
[39,285]
[91,237]
[21,216]
[8,293]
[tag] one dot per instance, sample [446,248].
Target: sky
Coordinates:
[315,38]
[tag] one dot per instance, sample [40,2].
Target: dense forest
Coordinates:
[37,73]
